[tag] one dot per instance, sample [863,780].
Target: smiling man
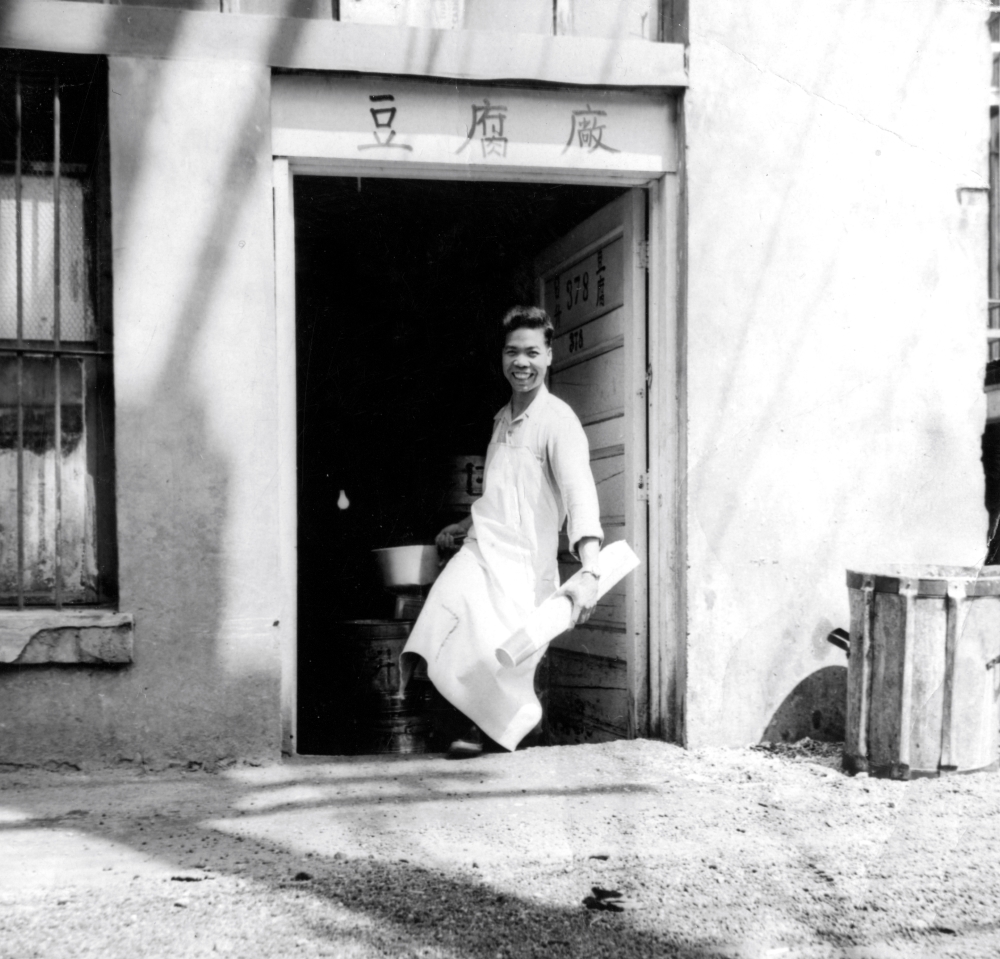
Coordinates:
[537,476]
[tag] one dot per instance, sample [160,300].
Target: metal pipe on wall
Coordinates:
[57,335]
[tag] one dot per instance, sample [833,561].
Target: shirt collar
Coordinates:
[534,408]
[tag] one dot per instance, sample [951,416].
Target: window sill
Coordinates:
[33,637]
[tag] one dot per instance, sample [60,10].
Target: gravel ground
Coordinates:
[621,849]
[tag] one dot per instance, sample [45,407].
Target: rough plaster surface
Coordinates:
[71,636]
[836,312]
[195,435]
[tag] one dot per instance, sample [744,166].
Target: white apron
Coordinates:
[485,594]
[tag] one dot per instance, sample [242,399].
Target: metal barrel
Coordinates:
[384,720]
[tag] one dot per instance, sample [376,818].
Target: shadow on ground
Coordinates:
[373,905]
[727,855]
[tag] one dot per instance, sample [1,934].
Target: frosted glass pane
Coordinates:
[38,257]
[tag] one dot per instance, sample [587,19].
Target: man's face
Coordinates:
[525,359]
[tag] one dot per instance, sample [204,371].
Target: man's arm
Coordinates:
[583,594]
[446,539]
[569,456]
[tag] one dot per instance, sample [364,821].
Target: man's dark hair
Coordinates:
[528,318]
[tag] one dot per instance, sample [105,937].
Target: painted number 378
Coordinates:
[577,289]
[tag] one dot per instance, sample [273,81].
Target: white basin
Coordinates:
[407,565]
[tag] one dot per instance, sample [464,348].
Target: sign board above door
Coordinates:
[327,124]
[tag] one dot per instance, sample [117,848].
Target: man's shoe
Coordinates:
[467,746]
[463,749]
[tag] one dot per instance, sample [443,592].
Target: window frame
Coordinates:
[36,70]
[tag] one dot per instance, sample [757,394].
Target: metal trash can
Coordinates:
[923,685]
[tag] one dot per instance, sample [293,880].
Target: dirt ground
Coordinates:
[711,853]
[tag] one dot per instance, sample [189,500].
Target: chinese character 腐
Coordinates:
[487,121]
[383,118]
[588,131]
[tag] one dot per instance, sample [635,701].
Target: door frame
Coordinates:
[664,409]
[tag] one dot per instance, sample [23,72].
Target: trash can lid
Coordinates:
[929,580]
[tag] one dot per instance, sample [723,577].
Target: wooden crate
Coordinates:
[924,671]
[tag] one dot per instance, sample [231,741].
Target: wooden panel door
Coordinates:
[593,284]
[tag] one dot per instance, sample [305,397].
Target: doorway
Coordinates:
[400,285]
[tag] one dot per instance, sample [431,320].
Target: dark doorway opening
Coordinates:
[400,287]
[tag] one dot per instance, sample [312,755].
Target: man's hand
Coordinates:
[583,595]
[451,536]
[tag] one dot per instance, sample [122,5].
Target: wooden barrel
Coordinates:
[383,722]
[923,685]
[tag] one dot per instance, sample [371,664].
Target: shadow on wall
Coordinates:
[179,702]
[816,707]
[178,565]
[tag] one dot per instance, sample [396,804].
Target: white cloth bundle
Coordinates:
[555,615]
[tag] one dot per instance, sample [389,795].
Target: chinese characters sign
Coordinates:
[487,129]
[354,120]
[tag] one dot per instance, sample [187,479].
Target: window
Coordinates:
[57,535]
[993,319]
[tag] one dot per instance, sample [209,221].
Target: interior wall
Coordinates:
[836,156]
[194,367]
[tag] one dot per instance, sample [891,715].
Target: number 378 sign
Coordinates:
[585,290]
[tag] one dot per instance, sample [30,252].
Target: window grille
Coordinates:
[56,407]
[993,307]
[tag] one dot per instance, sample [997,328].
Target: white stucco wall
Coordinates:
[195,377]
[196,435]
[836,311]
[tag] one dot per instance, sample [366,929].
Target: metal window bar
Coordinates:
[43,349]
[993,303]
[19,285]
[56,336]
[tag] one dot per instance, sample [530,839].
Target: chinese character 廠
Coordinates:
[600,277]
[588,131]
